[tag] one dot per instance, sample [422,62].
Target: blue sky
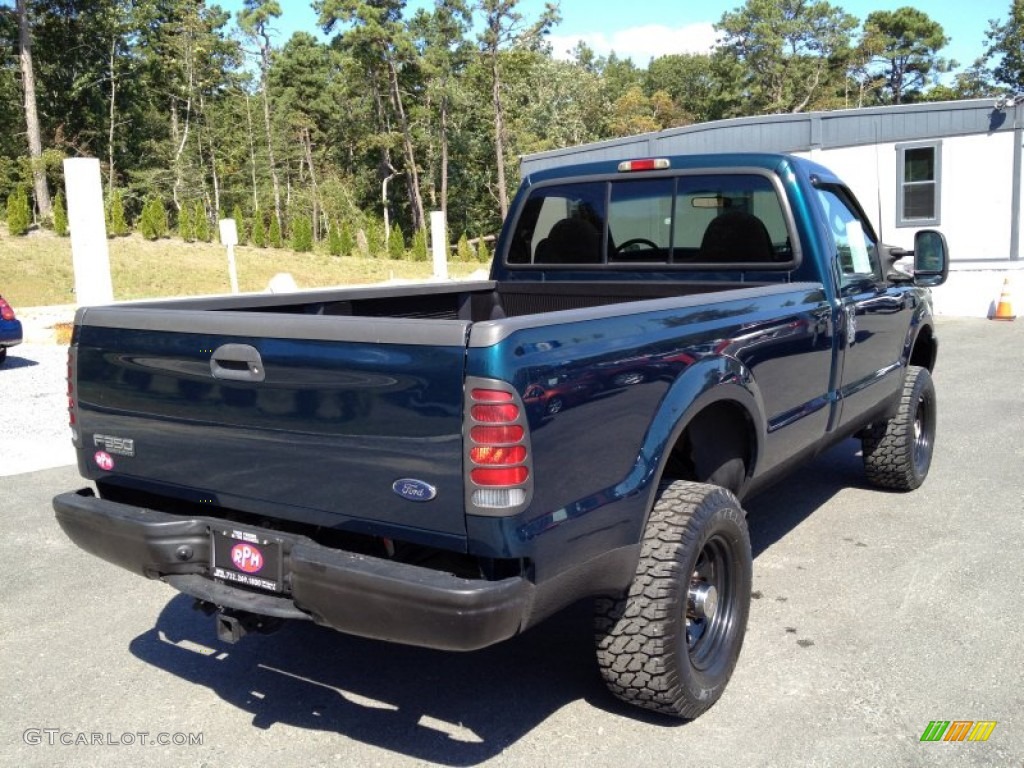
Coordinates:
[646,28]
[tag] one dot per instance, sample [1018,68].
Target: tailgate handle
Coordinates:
[237,362]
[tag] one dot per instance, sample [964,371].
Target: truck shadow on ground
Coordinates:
[446,708]
[14,361]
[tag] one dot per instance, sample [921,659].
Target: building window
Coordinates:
[920,182]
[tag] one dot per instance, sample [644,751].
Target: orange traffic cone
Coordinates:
[1004,309]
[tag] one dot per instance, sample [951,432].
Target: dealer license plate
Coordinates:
[247,558]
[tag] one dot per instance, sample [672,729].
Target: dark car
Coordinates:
[10,329]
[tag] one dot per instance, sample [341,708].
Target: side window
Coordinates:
[561,224]
[920,176]
[856,249]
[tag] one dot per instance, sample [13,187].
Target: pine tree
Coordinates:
[374,238]
[302,234]
[60,216]
[153,222]
[396,244]
[19,216]
[202,223]
[419,245]
[259,232]
[464,251]
[483,253]
[186,225]
[274,235]
[334,241]
[117,225]
[236,214]
[348,239]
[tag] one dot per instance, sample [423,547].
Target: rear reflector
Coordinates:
[500,477]
[5,310]
[498,456]
[497,435]
[491,396]
[647,164]
[495,414]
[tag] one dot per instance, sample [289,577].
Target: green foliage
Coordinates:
[374,233]
[204,233]
[60,216]
[19,215]
[117,224]
[483,253]
[463,251]
[153,221]
[906,43]
[396,244]
[1006,47]
[274,239]
[346,237]
[334,241]
[186,224]
[236,214]
[302,234]
[420,251]
[259,232]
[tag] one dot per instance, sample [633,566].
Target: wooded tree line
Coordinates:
[196,115]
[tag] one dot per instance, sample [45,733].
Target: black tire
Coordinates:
[555,405]
[898,452]
[654,648]
[3,355]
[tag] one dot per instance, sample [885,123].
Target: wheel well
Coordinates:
[923,353]
[717,446]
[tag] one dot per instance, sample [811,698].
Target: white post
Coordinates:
[88,226]
[439,241]
[229,238]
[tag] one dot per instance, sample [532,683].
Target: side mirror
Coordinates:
[931,258]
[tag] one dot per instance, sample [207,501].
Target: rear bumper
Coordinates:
[352,593]
[10,333]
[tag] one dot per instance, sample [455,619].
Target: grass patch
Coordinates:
[36,270]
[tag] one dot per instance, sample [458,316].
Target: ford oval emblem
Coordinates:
[414,490]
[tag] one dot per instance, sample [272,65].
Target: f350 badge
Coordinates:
[116,446]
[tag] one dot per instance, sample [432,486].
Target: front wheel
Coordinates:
[671,644]
[898,452]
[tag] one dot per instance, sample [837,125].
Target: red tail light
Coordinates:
[5,310]
[497,448]
[72,402]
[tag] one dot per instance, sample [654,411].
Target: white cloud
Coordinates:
[641,44]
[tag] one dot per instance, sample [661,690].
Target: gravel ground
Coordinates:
[34,409]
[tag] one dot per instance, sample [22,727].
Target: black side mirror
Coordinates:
[931,258]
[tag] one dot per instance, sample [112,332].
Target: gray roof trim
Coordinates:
[799,132]
[491,332]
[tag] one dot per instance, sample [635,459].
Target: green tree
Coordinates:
[204,233]
[396,244]
[794,52]
[153,222]
[302,234]
[186,224]
[334,241]
[19,215]
[1005,46]
[483,252]
[117,224]
[463,251]
[505,29]
[906,43]
[60,216]
[274,236]
[236,214]
[420,250]
[259,232]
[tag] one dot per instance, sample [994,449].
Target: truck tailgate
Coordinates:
[288,416]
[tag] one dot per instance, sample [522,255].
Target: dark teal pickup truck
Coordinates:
[447,465]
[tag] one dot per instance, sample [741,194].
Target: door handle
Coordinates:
[237,362]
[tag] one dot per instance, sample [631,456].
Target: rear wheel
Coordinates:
[3,354]
[898,452]
[671,644]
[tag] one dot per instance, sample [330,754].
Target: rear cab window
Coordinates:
[698,220]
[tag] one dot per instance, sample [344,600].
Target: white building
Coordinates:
[952,166]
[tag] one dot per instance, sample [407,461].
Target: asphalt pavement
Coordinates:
[874,614]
